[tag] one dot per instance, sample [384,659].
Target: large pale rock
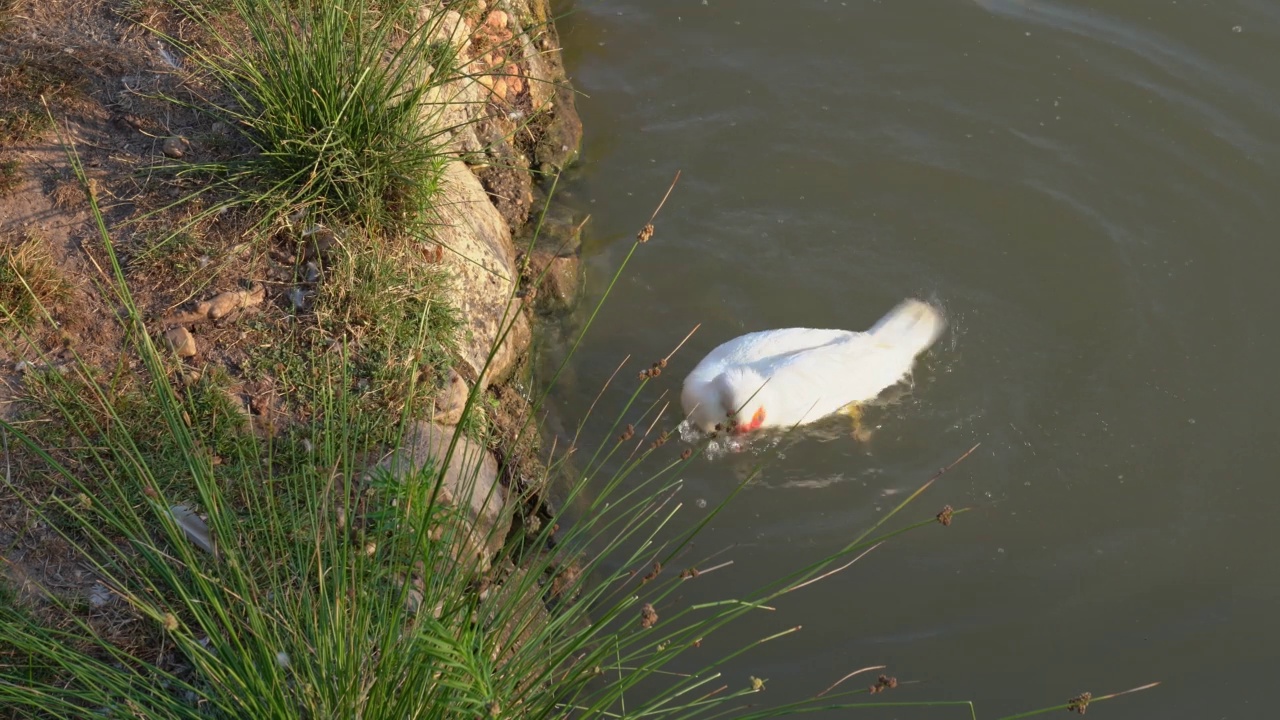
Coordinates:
[558,281]
[470,482]
[481,258]
[454,104]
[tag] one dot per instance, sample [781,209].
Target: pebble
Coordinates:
[181,340]
[176,146]
[228,302]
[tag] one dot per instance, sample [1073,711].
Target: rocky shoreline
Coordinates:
[514,130]
[513,122]
[492,205]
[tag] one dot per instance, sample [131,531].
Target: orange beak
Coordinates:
[756,421]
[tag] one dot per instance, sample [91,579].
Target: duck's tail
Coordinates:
[912,327]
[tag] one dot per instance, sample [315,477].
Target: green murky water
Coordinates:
[1091,191]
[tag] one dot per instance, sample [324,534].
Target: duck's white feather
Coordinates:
[793,376]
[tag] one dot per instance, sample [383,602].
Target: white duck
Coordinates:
[793,376]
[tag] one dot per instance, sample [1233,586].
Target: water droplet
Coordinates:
[701,503]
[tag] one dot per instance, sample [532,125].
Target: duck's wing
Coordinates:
[760,346]
[820,380]
[740,363]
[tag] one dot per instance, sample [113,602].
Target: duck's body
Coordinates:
[794,376]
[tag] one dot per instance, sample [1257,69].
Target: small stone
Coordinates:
[181,341]
[228,302]
[451,400]
[514,82]
[176,146]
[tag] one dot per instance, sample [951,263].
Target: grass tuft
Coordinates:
[29,279]
[333,96]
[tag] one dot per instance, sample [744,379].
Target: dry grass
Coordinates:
[29,279]
[29,72]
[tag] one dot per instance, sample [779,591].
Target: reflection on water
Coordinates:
[1088,189]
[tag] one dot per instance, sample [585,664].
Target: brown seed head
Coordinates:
[688,453]
[1080,703]
[648,616]
[645,233]
[944,517]
[884,682]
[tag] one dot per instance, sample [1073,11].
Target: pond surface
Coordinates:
[1091,192]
